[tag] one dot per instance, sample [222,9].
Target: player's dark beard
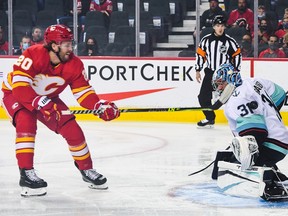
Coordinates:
[58,55]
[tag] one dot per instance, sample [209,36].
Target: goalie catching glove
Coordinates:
[245,150]
[46,107]
[106,110]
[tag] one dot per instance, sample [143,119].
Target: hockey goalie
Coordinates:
[261,138]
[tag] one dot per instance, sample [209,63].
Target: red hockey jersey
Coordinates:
[34,75]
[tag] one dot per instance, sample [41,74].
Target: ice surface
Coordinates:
[147,166]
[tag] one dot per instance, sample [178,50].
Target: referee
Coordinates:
[215,49]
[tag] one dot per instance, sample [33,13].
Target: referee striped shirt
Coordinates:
[216,51]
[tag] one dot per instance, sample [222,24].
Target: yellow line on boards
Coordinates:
[185,116]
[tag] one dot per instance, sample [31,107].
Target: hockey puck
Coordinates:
[253,105]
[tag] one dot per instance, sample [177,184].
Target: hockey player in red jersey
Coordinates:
[31,93]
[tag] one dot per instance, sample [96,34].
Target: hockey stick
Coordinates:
[129,110]
[206,166]
[202,169]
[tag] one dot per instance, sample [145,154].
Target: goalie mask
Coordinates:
[225,75]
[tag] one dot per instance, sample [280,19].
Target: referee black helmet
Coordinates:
[219,19]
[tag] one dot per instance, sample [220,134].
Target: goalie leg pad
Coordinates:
[30,192]
[245,149]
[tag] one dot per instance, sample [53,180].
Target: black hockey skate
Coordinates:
[93,178]
[275,192]
[31,184]
[276,186]
[206,123]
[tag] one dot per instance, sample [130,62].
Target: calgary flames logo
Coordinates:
[45,85]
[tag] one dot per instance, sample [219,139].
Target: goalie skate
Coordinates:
[275,186]
[275,192]
[31,184]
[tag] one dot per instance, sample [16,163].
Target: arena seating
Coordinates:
[158,20]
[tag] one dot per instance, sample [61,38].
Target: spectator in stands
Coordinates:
[208,15]
[90,48]
[261,13]
[285,15]
[246,46]
[3,42]
[283,29]
[242,16]
[37,36]
[82,8]
[280,24]
[285,12]
[269,15]
[24,44]
[104,6]
[273,50]
[284,47]
[264,31]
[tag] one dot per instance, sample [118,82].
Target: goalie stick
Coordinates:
[129,110]
[202,169]
[207,165]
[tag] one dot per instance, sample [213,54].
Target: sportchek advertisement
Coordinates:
[154,82]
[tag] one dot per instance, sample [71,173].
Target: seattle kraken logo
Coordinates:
[235,93]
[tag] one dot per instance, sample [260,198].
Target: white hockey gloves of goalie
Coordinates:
[245,149]
[224,97]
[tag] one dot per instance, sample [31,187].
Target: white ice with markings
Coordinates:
[147,166]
